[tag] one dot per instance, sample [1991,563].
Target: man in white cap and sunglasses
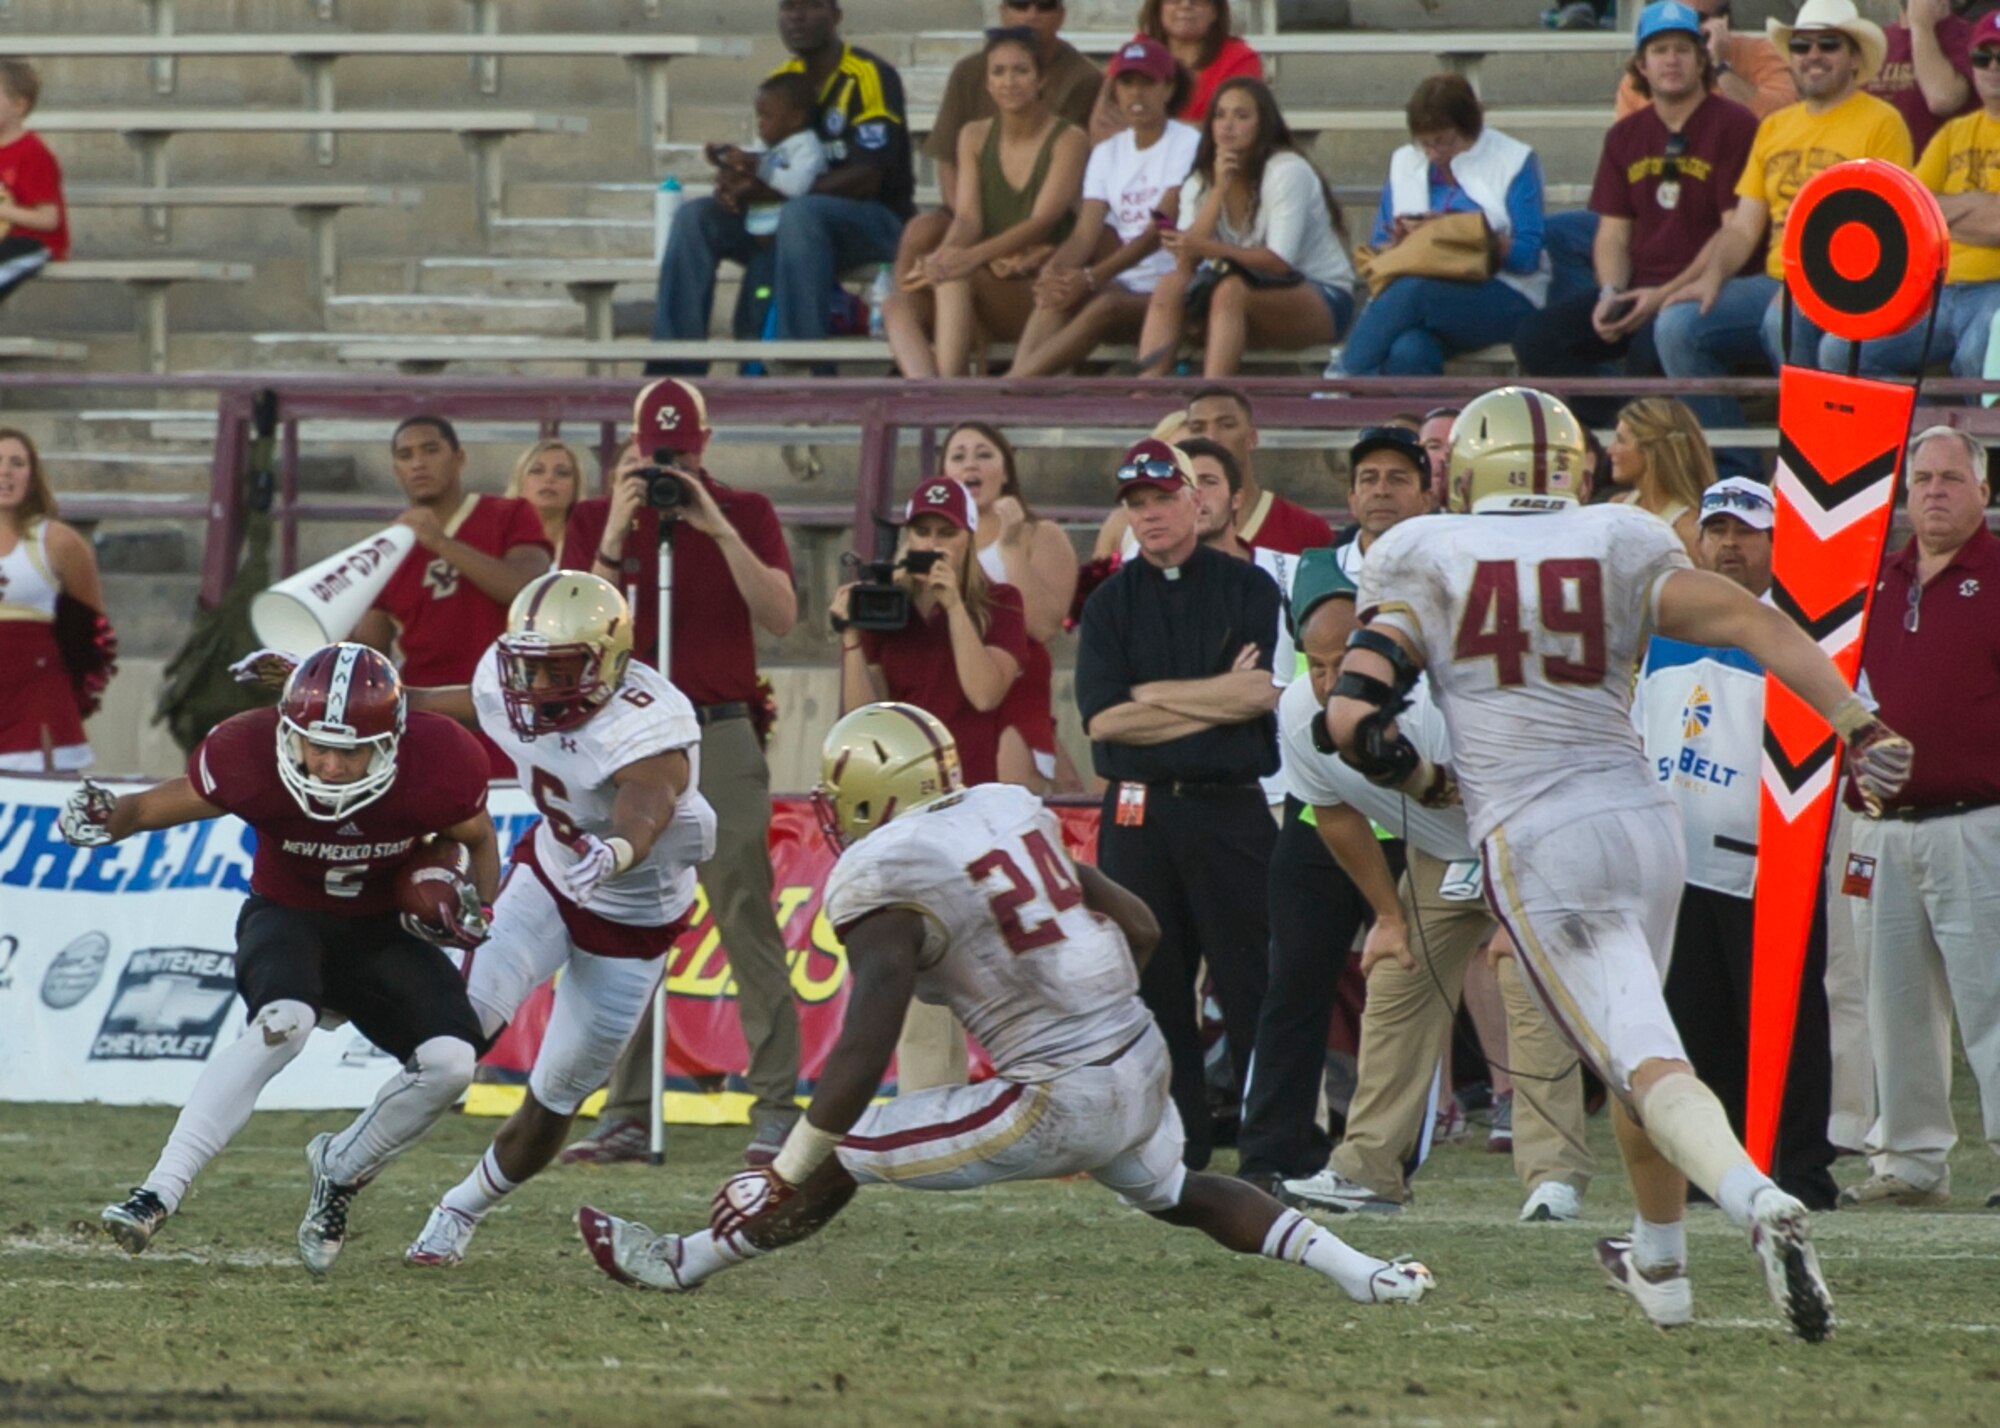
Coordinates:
[1701,713]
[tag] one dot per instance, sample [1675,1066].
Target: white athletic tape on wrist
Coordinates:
[805,1150]
[1849,715]
[621,855]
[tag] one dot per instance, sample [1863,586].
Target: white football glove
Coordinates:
[83,819]
[596,860]
[270,667]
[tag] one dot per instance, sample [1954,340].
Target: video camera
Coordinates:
[879,601]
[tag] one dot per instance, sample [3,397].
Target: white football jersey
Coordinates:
[1043,982]
[1531,628]
[569,777]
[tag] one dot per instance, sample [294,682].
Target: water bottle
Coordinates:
[666,203]
[878,296]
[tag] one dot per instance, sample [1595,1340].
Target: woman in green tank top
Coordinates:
[1020,175]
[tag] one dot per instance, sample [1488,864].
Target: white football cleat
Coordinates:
[1782,1237]
[323,1232]
[1333,1192]
[443,1241]
[1401,1281]
[1551,1200]
[631,1253]
[1666,1293]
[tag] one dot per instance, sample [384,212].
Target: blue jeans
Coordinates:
[818,236]
[1741,329]
[1964,317]
[1568,239]
[1416,323]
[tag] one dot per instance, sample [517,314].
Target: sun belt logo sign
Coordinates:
[1697,713]
[169,1006]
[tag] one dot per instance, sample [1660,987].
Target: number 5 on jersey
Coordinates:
[1057,888]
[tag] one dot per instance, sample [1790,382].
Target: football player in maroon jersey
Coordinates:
[341,784]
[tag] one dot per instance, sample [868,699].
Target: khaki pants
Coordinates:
[737,784]
[1928,930]
[1406,1026]
[1847,1001]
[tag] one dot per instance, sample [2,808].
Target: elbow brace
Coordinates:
[1376,756]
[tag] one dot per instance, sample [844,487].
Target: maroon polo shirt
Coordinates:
[714,645]
[1939,686]
[918,667]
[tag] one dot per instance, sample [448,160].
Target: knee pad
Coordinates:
[283,1023]
[445,1062]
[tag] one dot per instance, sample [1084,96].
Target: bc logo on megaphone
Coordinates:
[324,602]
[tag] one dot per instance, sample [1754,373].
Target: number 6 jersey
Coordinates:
[1043,982]
[1531,628]
[568,774]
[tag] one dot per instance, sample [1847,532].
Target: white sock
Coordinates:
[1656,1246]
[1295,1239]
[225,1093]
[480,1191]
[704,1254]
[1688,1126]
[408,1105]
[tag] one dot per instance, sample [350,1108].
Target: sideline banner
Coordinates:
[117,965]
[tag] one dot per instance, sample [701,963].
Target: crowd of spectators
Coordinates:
[1165,202]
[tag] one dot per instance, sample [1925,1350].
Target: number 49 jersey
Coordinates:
[569,776]
[1531,628]
[1044,983]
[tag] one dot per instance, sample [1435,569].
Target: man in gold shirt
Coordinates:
[1961,165]
[1717,320]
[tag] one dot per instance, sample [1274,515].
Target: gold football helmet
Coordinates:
[1516,449]
[878,761]
[565,649]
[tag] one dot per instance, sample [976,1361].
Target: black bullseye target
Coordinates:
[1865,245]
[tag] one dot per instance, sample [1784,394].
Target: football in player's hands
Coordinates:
[746,1196]
[436,896]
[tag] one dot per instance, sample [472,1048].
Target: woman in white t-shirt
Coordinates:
[1131,188]
[1260,231]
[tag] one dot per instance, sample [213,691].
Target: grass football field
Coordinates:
[1027,1304]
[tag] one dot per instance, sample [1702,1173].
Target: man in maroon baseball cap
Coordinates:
[732,577]
[1146,56]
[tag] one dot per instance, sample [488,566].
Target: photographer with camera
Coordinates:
[930,629]
[732,576]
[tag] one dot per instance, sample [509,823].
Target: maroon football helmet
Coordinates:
[344,696]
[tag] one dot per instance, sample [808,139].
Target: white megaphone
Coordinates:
[324,602]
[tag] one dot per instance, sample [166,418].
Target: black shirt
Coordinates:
[862,121]
[1145,624]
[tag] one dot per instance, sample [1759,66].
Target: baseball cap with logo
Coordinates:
[670,416]
[942,496]
[1389,438]
[1667,17]
[1152,462]
[1748,500]
[1985,33]
[1144,56]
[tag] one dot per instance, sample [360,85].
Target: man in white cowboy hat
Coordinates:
[1718,320]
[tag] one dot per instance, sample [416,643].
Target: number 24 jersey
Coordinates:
[1043,982]
[1531,627]
[569,776]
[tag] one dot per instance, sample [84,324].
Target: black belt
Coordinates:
[1198,788]
[706,714]
[1936,810]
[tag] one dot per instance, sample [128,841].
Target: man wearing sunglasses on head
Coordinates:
[1722,318]
[1666,180]
[1173,680]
